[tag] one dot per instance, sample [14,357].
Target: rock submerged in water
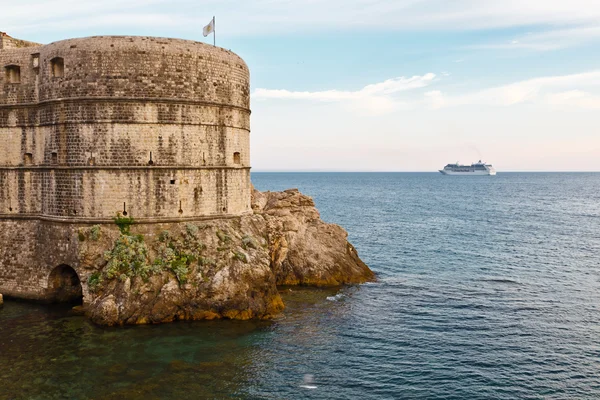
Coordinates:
[220,268]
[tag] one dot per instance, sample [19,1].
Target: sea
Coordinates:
[488,287]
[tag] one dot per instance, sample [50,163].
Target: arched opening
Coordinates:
[58,67]
[237,158]
[64,285]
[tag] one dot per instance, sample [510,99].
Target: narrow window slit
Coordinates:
[28,159]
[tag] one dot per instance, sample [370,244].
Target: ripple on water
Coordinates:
[488,288]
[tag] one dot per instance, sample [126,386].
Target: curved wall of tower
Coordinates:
[158,128]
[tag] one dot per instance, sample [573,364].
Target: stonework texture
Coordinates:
[153,128]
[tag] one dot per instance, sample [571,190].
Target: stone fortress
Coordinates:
[91,128]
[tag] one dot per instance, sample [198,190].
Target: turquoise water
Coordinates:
[489,287]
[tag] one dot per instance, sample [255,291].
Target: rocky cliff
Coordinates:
[220,268]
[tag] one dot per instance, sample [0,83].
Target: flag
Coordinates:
[210,28]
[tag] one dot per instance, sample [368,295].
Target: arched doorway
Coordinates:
[64,285]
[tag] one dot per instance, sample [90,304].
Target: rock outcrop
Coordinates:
[219,268]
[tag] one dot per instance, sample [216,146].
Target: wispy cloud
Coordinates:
[565,90]
[377,98]
[257,17]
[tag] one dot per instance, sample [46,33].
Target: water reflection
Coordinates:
[48,352]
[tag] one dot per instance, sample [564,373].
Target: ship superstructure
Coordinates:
[478,168]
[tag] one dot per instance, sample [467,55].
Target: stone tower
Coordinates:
[152,128]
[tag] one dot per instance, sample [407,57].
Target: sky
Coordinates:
[384,85]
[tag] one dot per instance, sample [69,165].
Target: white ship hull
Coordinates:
[469,173]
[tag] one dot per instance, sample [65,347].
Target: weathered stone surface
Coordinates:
[1,300]
[303,249]
[154,126]
[240,262]
[94,127]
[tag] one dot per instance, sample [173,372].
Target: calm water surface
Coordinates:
[489,287]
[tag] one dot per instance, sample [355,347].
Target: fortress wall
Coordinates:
[31,250]
[7,42]
[19,271]
[76,132]
[20,192]
[143,67]
[148,194]
[131,145]
[26,90]
[124,134]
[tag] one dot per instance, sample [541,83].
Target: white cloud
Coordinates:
[538,90]
[257,17]
[373,99]
[562,92]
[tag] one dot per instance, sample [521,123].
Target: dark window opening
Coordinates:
[13,73]
[54,158]
[57,66]
[237,158]
[172,181]
[28,159]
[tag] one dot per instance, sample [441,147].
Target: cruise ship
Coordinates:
[478,168]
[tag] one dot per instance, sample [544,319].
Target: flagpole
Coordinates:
[214,33]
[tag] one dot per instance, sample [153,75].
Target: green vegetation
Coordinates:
[191,230]
[124,223]
[178,255]
[164,236]
[204,261]
[248,242]
[95,280]
[223,236]
[238,255]
[95,233]
[128,258]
